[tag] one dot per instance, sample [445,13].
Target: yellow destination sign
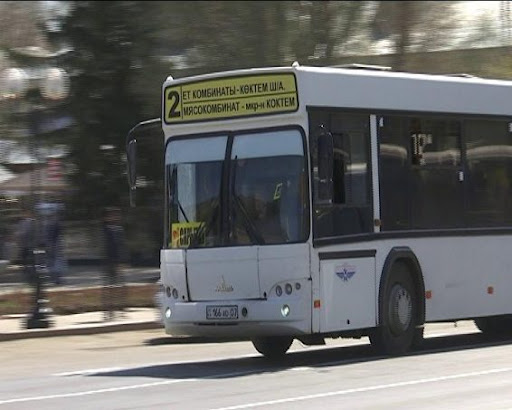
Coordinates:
[182,234]
[231,97]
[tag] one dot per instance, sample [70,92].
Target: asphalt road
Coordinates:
[148,370]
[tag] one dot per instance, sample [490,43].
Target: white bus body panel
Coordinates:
[245,277]
[465,276]
[281,264]
[347,294]
[223,273]
[338,88]
[172,271]
[460,272]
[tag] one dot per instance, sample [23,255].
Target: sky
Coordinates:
[498,18]
[475,8]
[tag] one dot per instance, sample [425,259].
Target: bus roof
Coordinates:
[254,92]
[400,91]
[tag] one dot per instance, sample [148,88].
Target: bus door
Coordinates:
[347,279]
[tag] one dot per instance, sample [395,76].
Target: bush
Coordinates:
[73,301]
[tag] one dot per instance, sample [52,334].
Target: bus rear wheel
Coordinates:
[274,347]
[398,330]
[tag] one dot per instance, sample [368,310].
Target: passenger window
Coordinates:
[489,166]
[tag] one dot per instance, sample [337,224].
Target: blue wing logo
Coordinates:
[345,272]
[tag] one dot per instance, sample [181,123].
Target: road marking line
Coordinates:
[365,389]
[90,392]
[89,372]
[116,389]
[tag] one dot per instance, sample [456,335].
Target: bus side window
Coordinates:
[339,166]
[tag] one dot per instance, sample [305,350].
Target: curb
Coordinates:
[77,331]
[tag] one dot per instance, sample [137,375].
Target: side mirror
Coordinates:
[131,154]
[325,149]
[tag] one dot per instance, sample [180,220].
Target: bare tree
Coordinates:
[21,23]
[413,26]
[318,30]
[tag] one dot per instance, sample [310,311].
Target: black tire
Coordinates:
[495,326]
[398,330]
[272,348]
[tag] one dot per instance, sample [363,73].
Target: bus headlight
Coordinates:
[279,290]
[175,293]
[288,289]
[285,310]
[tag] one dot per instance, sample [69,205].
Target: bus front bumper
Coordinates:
[238,318]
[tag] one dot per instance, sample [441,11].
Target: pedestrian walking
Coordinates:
[26,243]
[114,289]
[57,263]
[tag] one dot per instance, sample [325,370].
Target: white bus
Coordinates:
[308,203]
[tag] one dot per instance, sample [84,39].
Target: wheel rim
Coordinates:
[400,309]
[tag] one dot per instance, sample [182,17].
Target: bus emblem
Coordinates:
[224,287]
[345,272]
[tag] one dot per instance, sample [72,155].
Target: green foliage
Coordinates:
[112,45]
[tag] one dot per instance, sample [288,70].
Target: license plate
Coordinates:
[221,312]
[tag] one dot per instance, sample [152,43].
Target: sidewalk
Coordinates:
[13,327]
[78,276]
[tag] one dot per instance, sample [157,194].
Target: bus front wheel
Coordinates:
[274,347]
[398,329]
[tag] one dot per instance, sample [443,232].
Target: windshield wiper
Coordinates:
[205,228]
[248,223]
[172,196]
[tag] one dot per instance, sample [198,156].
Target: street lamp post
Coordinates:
[51,84]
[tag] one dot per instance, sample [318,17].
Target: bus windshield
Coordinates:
[254,194]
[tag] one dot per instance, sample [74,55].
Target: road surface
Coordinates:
[457,369]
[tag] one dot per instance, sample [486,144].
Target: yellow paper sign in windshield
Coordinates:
[182,234]
[231,97]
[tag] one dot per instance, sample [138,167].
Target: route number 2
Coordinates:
[174,100]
